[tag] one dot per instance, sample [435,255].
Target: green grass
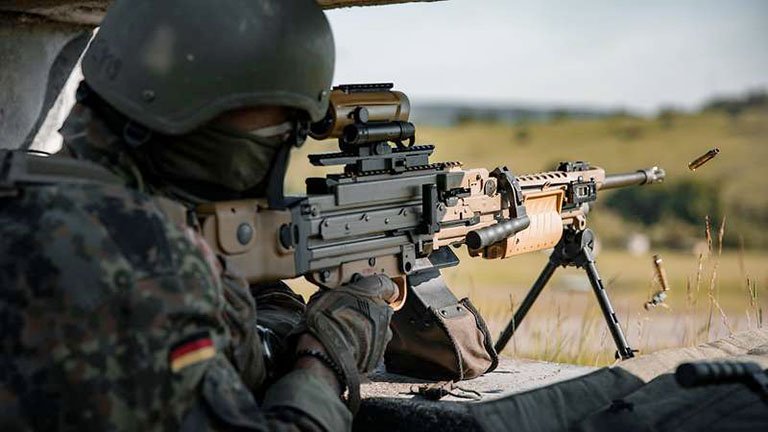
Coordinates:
[567,316]
[566,325]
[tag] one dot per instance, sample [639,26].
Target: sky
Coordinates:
[639,55]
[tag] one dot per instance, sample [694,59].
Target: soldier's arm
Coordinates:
[304,399]
[307,398]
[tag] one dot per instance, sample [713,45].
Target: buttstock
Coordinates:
[247,233]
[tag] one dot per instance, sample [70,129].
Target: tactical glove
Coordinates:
[352,323]
[278,312]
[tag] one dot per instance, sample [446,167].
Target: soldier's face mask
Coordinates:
[216,158]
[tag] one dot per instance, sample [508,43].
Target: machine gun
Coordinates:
[393,211]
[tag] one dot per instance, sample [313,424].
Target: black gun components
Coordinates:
[495,233]
[637,178]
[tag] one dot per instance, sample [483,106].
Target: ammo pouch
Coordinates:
[437,337]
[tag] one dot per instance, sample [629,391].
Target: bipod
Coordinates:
[576,249]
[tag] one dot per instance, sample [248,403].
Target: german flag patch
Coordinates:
[191,350]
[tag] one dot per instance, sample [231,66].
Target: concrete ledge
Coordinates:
[512,376]
[389,405]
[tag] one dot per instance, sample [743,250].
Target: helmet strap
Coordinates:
[135,134]
[276,176]
[300,131]
[132,133]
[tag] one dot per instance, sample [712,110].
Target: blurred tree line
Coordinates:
[734,106]
[675,215]
[687,200]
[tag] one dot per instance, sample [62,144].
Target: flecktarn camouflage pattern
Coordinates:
[97,288]
[114,316]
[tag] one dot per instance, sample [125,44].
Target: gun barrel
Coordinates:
[637,178]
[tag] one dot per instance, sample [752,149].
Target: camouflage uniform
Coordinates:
[100,292]
[88,137]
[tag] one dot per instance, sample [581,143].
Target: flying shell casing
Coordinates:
[701,160]
[345,107]
[661,273]
[658,299]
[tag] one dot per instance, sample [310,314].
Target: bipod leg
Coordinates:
[586,260]
[525,306]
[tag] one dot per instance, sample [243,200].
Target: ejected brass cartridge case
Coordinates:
[661,274]
[701,160]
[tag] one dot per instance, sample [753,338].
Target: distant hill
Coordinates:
[451,114]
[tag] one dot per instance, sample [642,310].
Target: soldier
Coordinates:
[115,314]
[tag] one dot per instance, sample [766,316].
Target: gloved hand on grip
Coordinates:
[352,323]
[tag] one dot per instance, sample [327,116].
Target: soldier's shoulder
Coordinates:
[94,226]
[97,285]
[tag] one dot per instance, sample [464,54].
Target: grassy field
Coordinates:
[711,296]
[566,323]
[726,295]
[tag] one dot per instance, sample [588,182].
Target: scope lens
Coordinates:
[351,133]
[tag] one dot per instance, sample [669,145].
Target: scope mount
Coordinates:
[364,88]
[376,158]
[376,148]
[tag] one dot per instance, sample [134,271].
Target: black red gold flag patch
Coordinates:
[191,351]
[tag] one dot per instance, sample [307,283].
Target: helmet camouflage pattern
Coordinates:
[176,64]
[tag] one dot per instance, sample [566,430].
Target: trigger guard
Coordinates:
[397,301]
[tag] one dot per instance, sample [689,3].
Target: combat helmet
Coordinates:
[173,65]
